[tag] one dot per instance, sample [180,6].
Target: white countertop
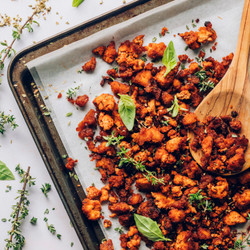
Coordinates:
[18,146]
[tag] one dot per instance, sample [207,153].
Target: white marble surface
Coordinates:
[18,146]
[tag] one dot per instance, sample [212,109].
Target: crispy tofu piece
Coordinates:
[107,245]
[105,102]
[189,119]
[142,78]
[233,218]
[161,201]
[89,120]
[184,241]
[110,53]
[90,65]
[105,121]
[207,145]
[220,190]
[92,209]
[176,215]
[99,51]
[120,208]
[242,201]
[93,193]
[155,50]
[183,181]
[135,199]
[152,135]
[119,88]
[204,233]
[175,144]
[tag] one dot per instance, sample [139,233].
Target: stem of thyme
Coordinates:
[20,211]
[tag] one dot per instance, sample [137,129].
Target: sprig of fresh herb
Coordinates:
[16,33]
[126,160]
[239,244]
[205,84]
[201,201]
[169,58]
[126,109]
[174,109]
[149,228]
[7,119]
[46,188]
[112,139]
[119,230]
[204,246]
[20,211]
[71,92]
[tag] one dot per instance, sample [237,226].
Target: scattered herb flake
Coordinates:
[46,188]
[33,221]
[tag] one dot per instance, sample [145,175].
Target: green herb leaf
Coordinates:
[5,173]
[149,228]
[33,221]
[126,109]
[174,109]
[76,3]
[69,114]
[169,58]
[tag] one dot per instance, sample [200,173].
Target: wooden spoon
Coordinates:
[233,92]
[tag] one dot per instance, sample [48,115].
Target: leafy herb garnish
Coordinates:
[126,109]
[76,3]
[205,84]
[149,228]
[7,119]
[126,160]
[71,92]
[46,188]
[169,58]
[5,173]
[174,109]
[200,201]
[119,230]
[33,221]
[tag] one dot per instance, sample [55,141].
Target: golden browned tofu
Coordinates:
[119,88]
[110,53]
[105,121]
[107,245]
[105,102]
[92,209]
[142,78]
[220,189]
[242,201]
[207,145]
[90,65]
[176,215]
[93,193]
[155,50]
[233,218]
[120,208]
[152,135]
[183,181]
[184,241]
[189,119]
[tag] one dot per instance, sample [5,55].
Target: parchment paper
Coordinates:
[57,71]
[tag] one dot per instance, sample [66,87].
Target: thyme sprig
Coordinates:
[20,211]
[7,119]
[201,201]
[71,92]
[205,84]
[16,33]
[126,160]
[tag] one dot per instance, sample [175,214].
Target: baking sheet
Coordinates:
[56,72]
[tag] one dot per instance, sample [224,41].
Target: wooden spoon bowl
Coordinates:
[232,93]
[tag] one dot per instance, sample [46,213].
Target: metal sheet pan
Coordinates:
[42,128]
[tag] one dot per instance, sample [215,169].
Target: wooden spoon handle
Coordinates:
[233,91]
[239,72]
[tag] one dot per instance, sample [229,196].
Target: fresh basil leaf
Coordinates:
[76,3]
[5,173]
[174,109]
[149,228]
[126,109]
[169,58]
